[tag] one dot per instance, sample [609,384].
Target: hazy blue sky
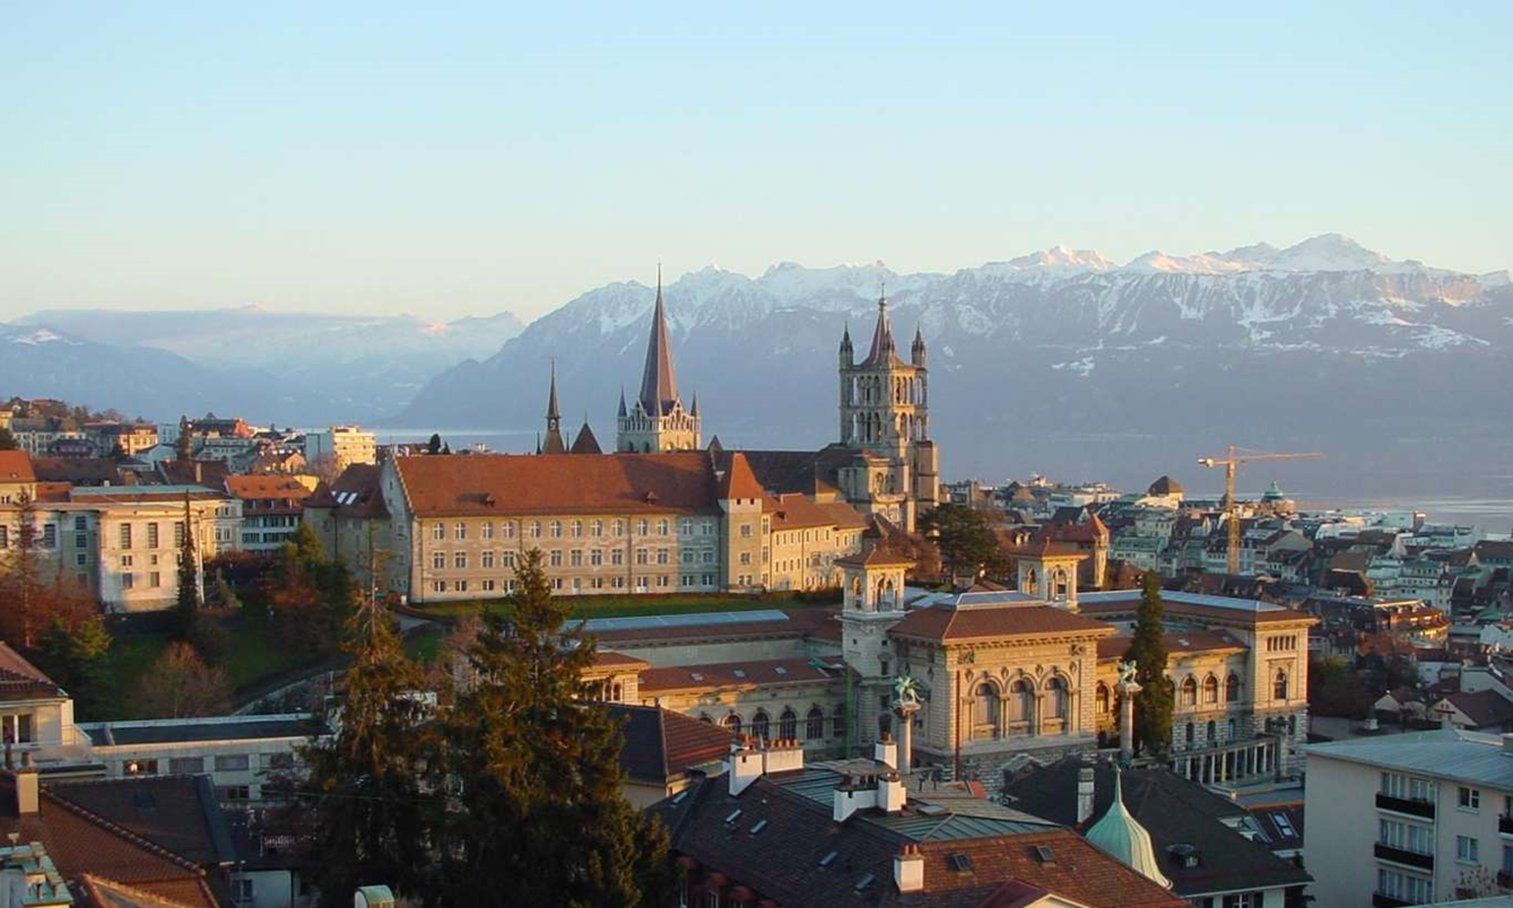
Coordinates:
[446,162]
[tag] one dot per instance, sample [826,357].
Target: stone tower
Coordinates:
[657,421]
[872,602]
[885,416]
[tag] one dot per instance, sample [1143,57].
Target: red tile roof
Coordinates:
[266,487]
[796,511]
[482,485]
[877,556]
[16,466]
[995,622]
[19,679]
[738,481]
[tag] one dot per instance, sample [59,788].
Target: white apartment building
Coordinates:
[1409,819]
[342,446]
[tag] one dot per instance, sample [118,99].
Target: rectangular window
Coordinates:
[745,558]
[178,534]
[619,528]
[616,556]
[507,559]
[461,586]
[575,558]
[81,540]
[555,558]
[154,579]
[642,556]
[460,560]
[642,526]
[663,527]
[5,537]
[461,530]
[535,529]
[128,581]
[556,583]
[49,535]
[438,586]
[125,535]
[488,560]
[577,529]
[595,557]
[509,529]
[140,768]
[663,556]
[745,531]
[231,763]
[488,530]
[81,523]
[186,765]
[439,560]
[556,529]
[234,794]
[152,535]
[438,531]
[596,529]
[488,586]
[1468,798]
[1467,850]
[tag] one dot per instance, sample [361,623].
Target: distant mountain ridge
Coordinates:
[1048,361]
[286,366]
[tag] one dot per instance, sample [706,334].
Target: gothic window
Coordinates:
[733,722]
[1101,698]
[1279,685]
[1232,688]
[1210,689]
[1058,696]
[814,723]
[760,725]
[1189,691]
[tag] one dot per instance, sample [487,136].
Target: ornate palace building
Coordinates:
[662,514]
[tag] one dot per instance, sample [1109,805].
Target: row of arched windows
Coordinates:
[1190,693]
[787,723]
[987,703]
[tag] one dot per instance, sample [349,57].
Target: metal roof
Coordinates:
[697,619]
[1445,753]
[1229,602]
[956,820]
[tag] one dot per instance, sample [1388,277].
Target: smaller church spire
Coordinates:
[694,410]
[623,411]
[917,351]
[552,411]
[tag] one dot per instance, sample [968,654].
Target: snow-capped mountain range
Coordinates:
[1317,344]
[1061,361]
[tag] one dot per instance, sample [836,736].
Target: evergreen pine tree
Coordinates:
[1153,704]
[362,794]
[187,603]
[536,815]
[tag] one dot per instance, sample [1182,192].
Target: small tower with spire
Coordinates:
[553,443]
[656,420]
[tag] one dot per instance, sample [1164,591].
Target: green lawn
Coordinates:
[424,645]
[622,606]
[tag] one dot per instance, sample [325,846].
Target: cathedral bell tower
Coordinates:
[657,420]
[885,416]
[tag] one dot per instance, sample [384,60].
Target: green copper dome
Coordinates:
[1119,834]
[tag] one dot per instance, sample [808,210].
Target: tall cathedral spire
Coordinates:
[659,384]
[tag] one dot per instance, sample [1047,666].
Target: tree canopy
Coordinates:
[963,536]
[1154,702]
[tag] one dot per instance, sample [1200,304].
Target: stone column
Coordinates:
[904,712]
[1127,687]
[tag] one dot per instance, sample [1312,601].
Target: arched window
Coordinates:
[1279,685]
[1061,586]
[1232,688]
[1056,694]
[733,722]
[1021,701]
[788,724]
[1231,729]
[985,710]
[1210,689]
[1101,698]
[760,725]
[1189,691]
[1030,579]
[814,724]
[1190,733]
[1212,731]
[838,722]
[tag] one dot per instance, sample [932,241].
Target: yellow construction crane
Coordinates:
[1229,462]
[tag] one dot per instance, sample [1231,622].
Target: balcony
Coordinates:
[1386,901]
[1505,825]
[1402,856]
[1422,809]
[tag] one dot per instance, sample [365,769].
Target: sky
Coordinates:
[468,159]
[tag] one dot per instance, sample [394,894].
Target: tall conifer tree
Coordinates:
[363,794]
[536,815]
[1153,704]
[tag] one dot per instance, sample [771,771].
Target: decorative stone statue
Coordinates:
[905,705]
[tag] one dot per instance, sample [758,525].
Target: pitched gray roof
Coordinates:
[1445,753]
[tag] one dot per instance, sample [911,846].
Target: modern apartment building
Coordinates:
[1409,819]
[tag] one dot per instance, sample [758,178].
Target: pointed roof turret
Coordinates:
[1122,836]
[659,383]
[586,443]
[846,338]
[622,412]
[553,443]
[694,410]
[882,349]
[739,481]
[714,445]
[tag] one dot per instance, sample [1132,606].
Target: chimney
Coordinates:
[885,751]
[28,793]
[853,795]
[891,794]
[745,766]
[753,758]
[1085,789]
[909,869]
